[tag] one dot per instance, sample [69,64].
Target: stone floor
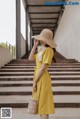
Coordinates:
[65,113]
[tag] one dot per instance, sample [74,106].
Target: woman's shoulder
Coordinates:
[48,50]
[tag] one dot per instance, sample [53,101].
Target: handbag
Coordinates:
[33,104]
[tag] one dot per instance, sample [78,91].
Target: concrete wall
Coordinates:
[67,36]
[23,46]
[5,56]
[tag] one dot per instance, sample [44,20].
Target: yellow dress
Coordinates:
[44,86]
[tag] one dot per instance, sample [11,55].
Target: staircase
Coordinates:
[16,88]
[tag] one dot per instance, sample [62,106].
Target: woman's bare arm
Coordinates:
[32,53]
[33,50]
[40,72]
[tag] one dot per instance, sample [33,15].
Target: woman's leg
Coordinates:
[46,116]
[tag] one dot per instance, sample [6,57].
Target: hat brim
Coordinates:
[51,43]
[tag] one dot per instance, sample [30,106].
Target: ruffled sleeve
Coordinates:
[47,56]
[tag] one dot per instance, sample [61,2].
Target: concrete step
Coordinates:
[53,72]
[27,74]
[25,105]
[58,60]
[25,99]
[32,69]
[56,77]
[25,88]
[30,93]
[22,66]
[65,65]
[32,63]
[30,82]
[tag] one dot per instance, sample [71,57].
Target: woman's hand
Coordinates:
[36,42]
[34,86]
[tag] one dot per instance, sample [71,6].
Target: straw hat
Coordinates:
[46,35]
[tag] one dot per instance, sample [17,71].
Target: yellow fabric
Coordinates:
[44,87]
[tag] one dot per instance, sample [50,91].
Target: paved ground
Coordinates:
[65,113]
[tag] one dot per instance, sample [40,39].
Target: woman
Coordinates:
[42,82]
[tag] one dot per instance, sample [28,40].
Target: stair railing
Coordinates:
[12,49]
